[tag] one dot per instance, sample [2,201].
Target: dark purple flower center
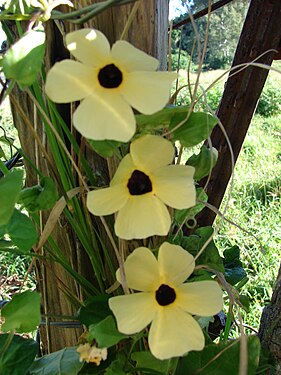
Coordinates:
[165,295]
[110,77]
[139,183]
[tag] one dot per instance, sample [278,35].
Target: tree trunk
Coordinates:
[147,32]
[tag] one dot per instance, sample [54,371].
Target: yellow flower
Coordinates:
[165,300]
[91,354]
[141,188]
[110,82]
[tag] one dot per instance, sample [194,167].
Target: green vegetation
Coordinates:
[223,33]
[254,203]
[255,198]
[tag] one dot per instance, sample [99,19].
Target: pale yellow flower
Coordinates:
[109,81]
[91,354]
[142,186]
[165,300]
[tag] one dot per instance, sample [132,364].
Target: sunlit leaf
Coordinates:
[21,231]
[160,119]
[39,197]
[203,162]
[23,60]
[10,186]
[105,333]
[194,130]
[22,313]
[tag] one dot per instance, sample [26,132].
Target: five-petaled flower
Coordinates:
[110,82]
[142,186]
[165,300]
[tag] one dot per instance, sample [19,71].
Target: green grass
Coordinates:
[255,198]
[255,206]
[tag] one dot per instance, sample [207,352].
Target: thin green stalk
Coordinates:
[87,287]
[72,140]
[62,162]
[3,168]
[227,326]
[93,257]
[107,257]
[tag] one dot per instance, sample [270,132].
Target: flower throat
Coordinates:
[110,77]
[139,183]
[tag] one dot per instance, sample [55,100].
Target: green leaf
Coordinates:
[234,271]
[210,255]
[181,216]
[244,299]
[23,60]
[203,162]
[39,197]
[196,129]
[160,119]
[105,148]
[21,231]
[220,359]
[105,333]
[62,362]
[19,355]
[116,367]
[146,360]
[95,310]
[22,313]
[10,186]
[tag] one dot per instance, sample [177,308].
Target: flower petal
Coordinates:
[148,92]
[173,333]
[202,298]
[107,201]
[141,268]
[151,151]
[68,81]
[174,185]
[141,217]
[105,115]
[89,46]
[133,312]
[124,171]
[175,263]
[131,59]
